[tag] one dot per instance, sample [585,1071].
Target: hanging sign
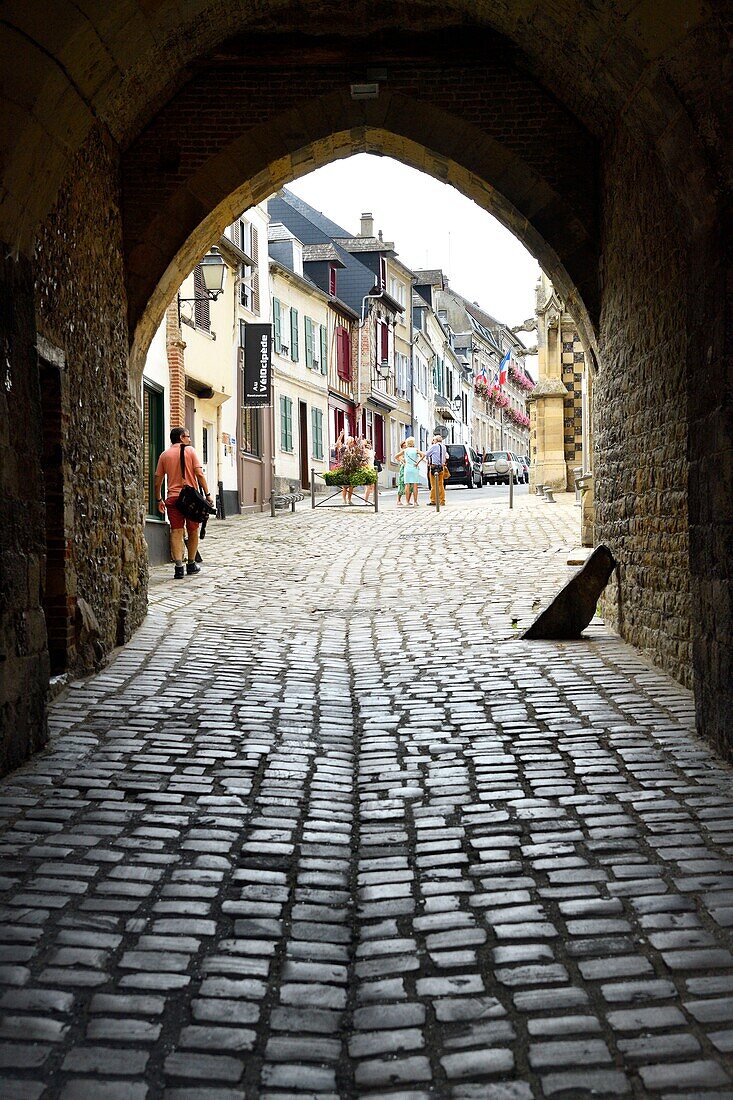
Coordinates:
[257,364]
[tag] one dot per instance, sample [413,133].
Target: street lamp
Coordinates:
[212,273]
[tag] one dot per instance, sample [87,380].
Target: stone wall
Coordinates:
[81,309]
[23,653]
[640,412]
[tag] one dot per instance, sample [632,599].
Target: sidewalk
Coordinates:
[327,827]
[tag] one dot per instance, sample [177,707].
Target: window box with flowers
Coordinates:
[519,378]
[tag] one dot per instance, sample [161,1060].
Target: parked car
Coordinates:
[489,473]
[464,466]
[524,461]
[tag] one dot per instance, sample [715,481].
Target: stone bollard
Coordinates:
[539,490]
[548,495]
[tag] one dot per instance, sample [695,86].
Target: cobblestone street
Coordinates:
[327,828]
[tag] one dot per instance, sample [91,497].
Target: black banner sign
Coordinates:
[257,364]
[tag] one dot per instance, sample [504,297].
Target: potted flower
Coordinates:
[353,469]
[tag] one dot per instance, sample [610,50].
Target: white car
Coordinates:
[489,471]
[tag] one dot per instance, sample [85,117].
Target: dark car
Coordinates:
[464,466]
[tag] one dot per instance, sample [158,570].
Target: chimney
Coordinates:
[367,225]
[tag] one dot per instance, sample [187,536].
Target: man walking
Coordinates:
[437,456]
[169,467]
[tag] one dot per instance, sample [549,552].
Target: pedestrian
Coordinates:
[437,457]
[399,458]
[344,442]
[370,465]
[169,468]
[413,458]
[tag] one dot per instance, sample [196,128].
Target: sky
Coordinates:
[432,226]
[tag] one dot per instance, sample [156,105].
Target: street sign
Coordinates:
[257,364]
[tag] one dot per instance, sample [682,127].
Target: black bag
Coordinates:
[191,502]
[378,467]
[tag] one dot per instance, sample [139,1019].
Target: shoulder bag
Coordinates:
[191,502]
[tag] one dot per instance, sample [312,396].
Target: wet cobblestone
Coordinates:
[327,828]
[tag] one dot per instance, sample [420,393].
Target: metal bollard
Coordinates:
[434,473]
[511,487]
[272,505]
[313,487]
[376,495]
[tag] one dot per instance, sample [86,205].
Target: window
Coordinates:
[324,349]
[294,348]
[202,305]
[152,442]
[397,290]
[382,273]
[277,322]
[317,432]
[242,236]
[332,280]
[246,275]
[308,325]
[343,353]
[382,342]
[286,424]
[249,432]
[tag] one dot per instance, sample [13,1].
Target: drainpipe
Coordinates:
[364,301]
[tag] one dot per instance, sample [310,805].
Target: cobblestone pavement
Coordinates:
[327,828]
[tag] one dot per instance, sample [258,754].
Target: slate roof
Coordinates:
[365,244]
[311,227]
[313,252]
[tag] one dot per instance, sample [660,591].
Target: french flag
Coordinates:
[482,376]
[504,368]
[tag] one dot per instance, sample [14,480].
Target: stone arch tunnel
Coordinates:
[600,134]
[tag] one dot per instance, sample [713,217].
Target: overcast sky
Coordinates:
[432,226]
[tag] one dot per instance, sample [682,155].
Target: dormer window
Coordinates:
[332,280]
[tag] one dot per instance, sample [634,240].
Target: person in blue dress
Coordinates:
[413,458]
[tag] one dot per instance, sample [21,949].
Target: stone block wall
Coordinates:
[23,653]
[81,309]
[640,412]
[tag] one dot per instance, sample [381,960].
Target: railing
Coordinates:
[374,503]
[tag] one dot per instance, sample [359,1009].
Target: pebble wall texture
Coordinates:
[77,262]
[640,414]
[328,829]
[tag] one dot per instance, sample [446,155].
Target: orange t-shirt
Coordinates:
[169,465]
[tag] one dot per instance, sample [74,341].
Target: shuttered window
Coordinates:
[255,272]
[277,322]
[343,353]
[294,351]
[308,342]
[286,424]
[383,349]
[202,305]
[324,349]
[317,432]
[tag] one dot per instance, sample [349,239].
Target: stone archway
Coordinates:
[629,207]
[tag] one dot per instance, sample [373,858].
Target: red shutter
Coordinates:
[343,353]
[379,438]
[383,342]
[332,280]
